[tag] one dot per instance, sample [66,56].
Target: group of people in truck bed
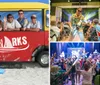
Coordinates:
[22,23]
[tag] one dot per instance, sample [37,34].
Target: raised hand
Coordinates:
[5,24]
[5,19]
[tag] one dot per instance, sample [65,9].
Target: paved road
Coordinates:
[31,74]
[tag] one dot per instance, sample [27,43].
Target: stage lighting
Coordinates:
[89,0]
[68,0]
[89,15]
[75,53]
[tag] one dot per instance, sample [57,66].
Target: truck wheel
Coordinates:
[43,59]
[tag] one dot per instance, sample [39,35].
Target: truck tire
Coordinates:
[43,59]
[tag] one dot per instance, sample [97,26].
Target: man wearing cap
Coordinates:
[22,20]
[34,25]
[10,24]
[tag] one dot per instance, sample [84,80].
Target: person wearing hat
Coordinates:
[34,25]
[10,24]
[22,20]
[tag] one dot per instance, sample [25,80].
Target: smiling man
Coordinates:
[34,25]
[10,24]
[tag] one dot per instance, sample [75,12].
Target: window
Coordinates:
[27,15]
[47,18]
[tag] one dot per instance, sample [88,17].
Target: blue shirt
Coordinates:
[98,30]
[97,27]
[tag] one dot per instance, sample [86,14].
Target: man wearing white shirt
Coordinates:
[10,24]
[34,25]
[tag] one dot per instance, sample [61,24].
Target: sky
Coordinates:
[43,1]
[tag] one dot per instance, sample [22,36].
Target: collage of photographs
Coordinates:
[74,42]
[49,42]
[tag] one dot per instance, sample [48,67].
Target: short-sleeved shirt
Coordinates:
[77,20]
[13,25]
[36,25]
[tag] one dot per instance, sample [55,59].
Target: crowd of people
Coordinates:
[76,29]
[22,23]
[75,71]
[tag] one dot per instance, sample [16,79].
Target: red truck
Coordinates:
[25,46]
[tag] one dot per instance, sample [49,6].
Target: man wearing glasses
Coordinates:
[34,25]
[77,21]
[10,24]
[22,20]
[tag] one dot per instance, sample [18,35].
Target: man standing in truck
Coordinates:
[22,20]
